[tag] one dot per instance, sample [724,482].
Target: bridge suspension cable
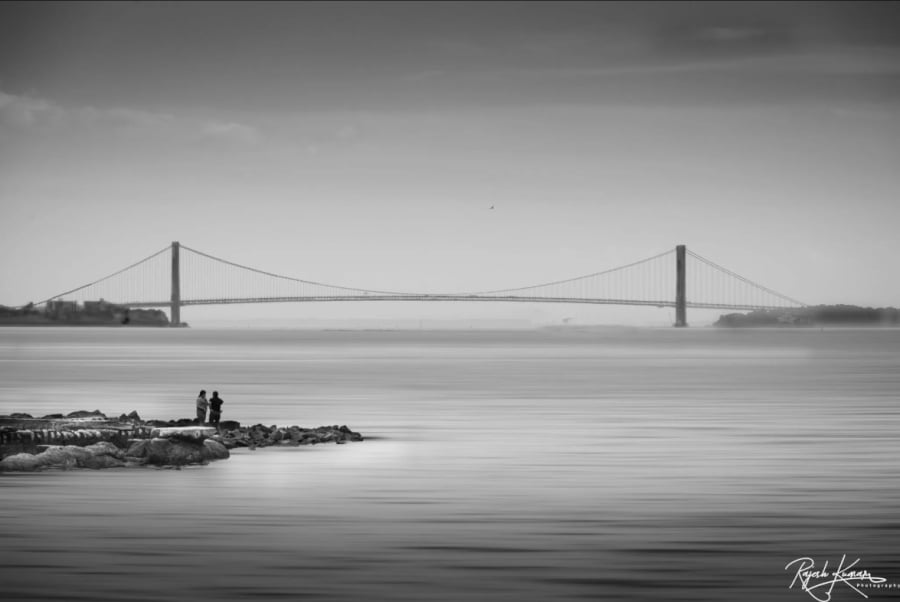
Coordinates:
[135,290]
[707,288]
[649,280]
[211,279]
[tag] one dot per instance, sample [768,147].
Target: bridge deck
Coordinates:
[471,298]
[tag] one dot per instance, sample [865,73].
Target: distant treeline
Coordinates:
[814,316]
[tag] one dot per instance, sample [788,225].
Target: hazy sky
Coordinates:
[362,144]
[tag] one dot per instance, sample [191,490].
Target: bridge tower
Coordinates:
[175,305]
[680,287]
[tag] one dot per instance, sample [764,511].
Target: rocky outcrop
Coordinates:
[97,455]
[161,451]
[91,440]
[142,452]
[264,436]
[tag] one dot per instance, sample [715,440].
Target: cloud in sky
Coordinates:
[23,112]
[232,132]
[732,34]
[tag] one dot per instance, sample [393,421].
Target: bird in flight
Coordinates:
[491,207]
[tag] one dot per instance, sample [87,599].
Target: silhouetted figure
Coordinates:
[215,408]
[202,404]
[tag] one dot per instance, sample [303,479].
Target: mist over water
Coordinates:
[625,464]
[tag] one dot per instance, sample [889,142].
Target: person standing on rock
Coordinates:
[215,408]
[202,404]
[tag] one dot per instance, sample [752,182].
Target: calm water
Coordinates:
[521,465]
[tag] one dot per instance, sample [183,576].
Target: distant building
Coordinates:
[95,307]
[59,308]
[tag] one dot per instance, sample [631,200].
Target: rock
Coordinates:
[101,461]
[105,448]
[185,432]
[103,455]
[133,415]
[137,448]
[229,425]
[63,456]
[98,455]
[215,450]
[165,452]
[20,463]
[168,452]
[20,415]
[233,439]
[86,414]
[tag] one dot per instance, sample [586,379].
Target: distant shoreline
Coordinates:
[90,313]
[814,316]
[51,324]
[78,324]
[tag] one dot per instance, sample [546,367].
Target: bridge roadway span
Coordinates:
[424,297]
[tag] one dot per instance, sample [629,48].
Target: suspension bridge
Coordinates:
[178,276]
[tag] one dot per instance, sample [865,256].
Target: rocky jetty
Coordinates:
[91,440]
[263,436]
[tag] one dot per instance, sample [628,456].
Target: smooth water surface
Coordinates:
[620,464]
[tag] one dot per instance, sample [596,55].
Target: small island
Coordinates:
[89,313]
[91,440]
[813,315]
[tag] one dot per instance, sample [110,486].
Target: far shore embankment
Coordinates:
[89,313]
